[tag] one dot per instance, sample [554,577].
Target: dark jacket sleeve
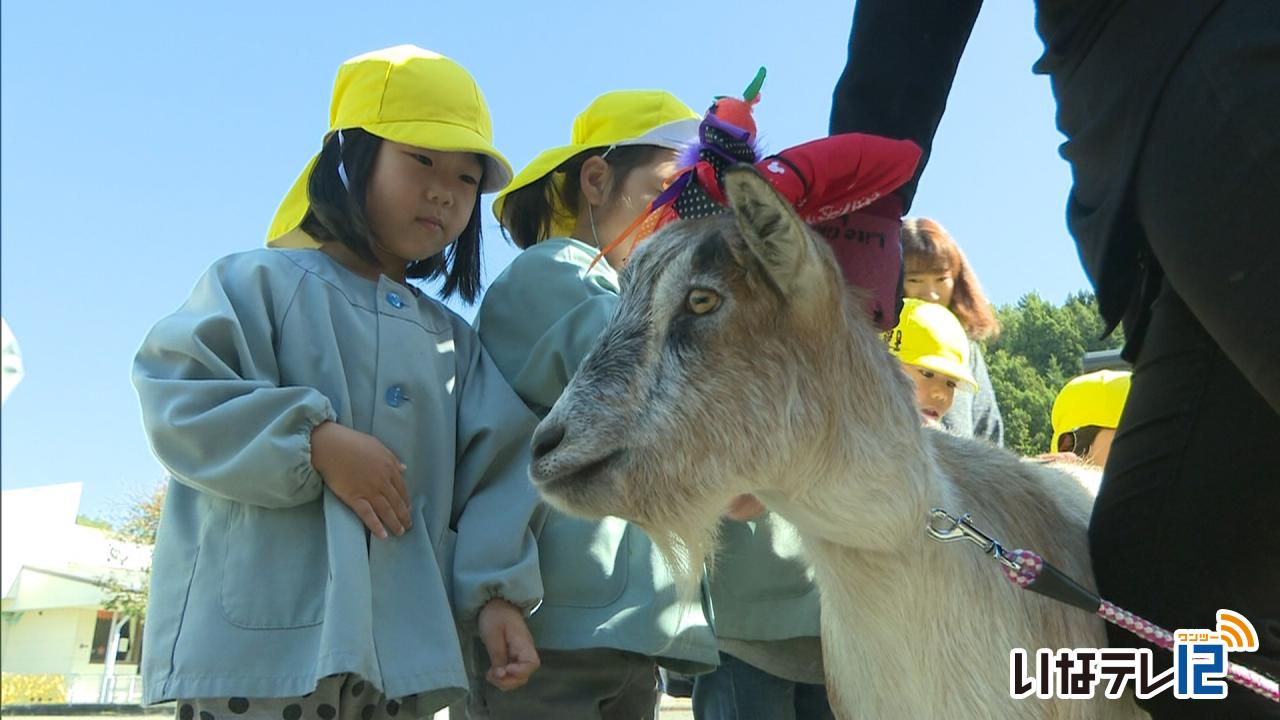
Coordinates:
[903,56]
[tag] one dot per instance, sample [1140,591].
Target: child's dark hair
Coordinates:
[928,247]
[530,213]
[339,214]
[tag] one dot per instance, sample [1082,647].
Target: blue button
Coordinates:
[395,396]
[394,299]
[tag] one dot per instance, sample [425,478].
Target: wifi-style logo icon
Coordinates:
[1236,632]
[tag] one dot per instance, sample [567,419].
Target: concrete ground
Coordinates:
[675,709]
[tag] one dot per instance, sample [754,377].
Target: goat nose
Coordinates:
[546,439]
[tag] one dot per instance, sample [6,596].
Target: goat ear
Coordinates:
[771,228]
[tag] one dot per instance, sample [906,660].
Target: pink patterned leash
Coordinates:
[1029,571]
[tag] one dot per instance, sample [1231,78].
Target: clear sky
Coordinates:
[143,140]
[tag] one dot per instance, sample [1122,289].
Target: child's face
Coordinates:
[934,392]
[1100,449]
[641,186]
[935,286]
[419,201]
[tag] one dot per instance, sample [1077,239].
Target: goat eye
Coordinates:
[702,301]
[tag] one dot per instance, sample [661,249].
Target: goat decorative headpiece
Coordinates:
[840,185]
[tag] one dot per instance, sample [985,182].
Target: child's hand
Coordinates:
[364,474]
[512,657]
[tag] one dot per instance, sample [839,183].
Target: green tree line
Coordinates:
[1040,347]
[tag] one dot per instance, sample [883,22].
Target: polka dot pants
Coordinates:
[337,697]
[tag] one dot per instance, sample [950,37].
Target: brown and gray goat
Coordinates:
[738,361]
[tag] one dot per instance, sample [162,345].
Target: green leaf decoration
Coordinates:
[754,88]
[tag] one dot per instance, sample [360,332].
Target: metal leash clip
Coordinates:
[945,527]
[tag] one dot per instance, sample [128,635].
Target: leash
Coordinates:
[1029,571]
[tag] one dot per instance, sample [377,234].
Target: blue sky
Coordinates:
[143,140]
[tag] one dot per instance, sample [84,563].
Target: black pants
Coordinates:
[1188,517]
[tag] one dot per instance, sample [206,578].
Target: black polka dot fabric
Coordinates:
[337,697]
[724,151]
[694,202]
[740,150]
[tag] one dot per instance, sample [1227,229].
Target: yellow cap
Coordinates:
[1093,399]
[407,95]
[622,117]
[929,336]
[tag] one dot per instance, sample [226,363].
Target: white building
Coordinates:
[11,373]
[52,572]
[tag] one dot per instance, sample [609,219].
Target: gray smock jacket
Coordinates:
[976,414]
[767,606]
[263,581]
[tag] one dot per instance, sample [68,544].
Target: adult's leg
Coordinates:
[1184,523]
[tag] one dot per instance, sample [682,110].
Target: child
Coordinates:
[611,611]
[936,271]
[1086,414]
[349,464]
[931,345]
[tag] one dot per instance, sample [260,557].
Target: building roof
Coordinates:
[47,560]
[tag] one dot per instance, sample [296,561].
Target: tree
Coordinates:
[127,591]
[127,587]
[86,521]
[1039,349]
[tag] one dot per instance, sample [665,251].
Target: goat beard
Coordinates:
[687,542]
[689,554]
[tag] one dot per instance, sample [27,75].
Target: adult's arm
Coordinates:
[903,56]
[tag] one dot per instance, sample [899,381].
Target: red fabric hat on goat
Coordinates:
[840,185]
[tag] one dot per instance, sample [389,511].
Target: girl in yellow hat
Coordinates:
[1085,416]
[936,271]
[349,467]
[611,612]
[1087,412]
[931,345]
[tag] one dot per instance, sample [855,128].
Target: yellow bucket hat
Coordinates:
[929,336]
[1096,398]
[407,95]
[622,117]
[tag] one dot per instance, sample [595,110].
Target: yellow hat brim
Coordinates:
[950,368]
[673,133]
[546,162]
[437,136]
